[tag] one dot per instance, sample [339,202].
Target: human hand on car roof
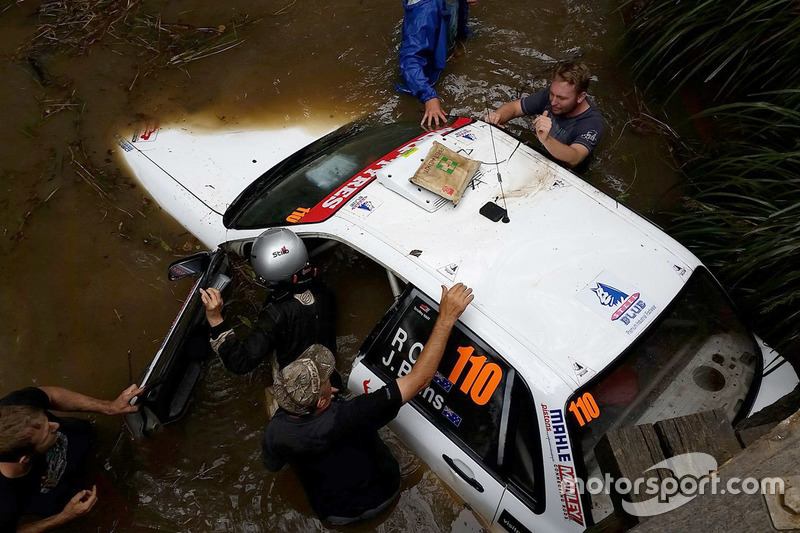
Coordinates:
[433,114]
[453,302]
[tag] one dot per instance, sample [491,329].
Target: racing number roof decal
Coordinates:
[335,200]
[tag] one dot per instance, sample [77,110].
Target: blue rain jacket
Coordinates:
[426,43]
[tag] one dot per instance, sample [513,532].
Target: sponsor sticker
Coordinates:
[363,206]
[618,302]
[148,133]
[561,454]
[450,270]
[410,151]
[582,372]
[568,487]
[467,135]
[125,145]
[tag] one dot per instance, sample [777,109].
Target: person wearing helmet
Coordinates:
[300,311]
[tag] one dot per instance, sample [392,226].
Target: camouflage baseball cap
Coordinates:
[298,385]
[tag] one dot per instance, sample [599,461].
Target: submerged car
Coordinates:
[586,316]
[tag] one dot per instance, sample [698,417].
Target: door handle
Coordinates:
[471,480]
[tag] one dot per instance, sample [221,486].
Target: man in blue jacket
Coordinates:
[430,29]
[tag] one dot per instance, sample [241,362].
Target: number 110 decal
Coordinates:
[585,409]
[481,379]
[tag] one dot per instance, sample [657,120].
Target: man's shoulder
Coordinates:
[30,396]
[593,111]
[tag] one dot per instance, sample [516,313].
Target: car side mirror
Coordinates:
[189,266]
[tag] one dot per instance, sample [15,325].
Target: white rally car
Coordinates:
[587,317]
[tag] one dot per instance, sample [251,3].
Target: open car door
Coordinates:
[173,373]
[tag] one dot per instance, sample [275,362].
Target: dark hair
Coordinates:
[575,73]
[17,426]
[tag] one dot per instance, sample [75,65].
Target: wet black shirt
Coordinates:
[343,464]
[585,129]
[287,325]
[54,478]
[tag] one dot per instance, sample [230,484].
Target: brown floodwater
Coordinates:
[84,250]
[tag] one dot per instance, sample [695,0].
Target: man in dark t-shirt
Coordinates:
[43,458]
[347,471]
[568,124]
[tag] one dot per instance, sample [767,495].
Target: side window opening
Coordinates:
[523,464]
[363,292]
[465,398]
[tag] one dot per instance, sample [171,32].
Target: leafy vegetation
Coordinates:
[742,213]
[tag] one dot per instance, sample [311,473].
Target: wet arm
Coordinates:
[416,49]
[67,400]
[453,303]
[241,356]
[43,525]
[504,113]
[571,154]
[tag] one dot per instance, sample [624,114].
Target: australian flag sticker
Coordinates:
[443,382]
[451,416]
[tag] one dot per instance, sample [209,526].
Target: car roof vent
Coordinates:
[395,176]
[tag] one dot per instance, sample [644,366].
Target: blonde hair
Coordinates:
[575,73]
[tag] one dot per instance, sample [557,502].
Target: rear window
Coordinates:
[698,356]
[301,181]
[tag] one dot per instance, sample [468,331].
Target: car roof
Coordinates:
[534,275]
[540,278]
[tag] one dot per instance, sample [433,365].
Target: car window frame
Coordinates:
[499,473]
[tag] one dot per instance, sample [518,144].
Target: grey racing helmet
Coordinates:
[278,255]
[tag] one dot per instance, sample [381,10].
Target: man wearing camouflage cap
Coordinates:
[347,471]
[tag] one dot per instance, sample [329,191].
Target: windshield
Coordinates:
[290,189]
[697,357]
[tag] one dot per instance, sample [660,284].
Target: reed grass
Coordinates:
[741,215]
[735,46]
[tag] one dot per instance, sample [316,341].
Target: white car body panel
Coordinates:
[533,277]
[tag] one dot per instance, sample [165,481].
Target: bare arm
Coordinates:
[67,400]
[79,505]
[505,113]
[571,154]
[452,304]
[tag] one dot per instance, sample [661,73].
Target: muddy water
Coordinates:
[84,250]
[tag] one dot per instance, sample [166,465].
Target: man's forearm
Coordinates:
[428,361]
[43,525]
[509,111]
[67,400]
[564,152]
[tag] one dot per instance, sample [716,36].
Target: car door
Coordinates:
[172,375]
[456,425]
